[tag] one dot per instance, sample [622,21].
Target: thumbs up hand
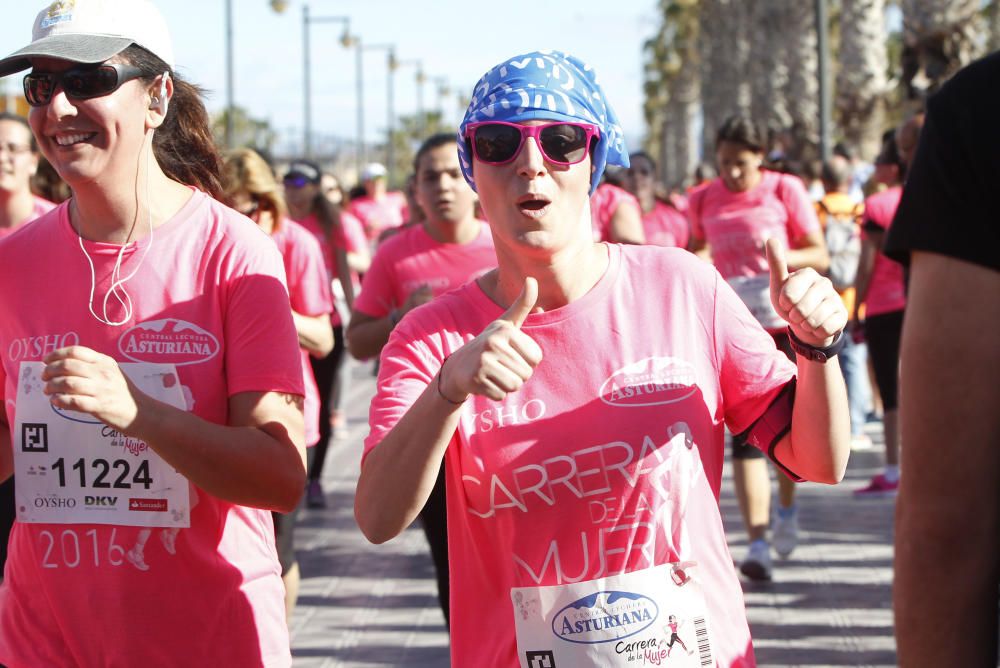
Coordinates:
[805,300]
[500,359]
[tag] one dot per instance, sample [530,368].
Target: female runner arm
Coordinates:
[626,224]
[315,333]
[399,473]
[818,444]
[344,275]
[871,242]
[256,460]
[811,252]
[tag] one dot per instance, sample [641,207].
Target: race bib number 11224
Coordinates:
[72,469]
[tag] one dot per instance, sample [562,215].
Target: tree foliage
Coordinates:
[247,131]
[759,57]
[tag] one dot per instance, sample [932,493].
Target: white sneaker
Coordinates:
[785,534]
[757,564]
[861,442]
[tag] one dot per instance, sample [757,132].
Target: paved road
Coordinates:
[365,605]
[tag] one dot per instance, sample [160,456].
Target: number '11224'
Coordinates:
[101,469]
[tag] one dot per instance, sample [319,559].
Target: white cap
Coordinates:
[92,31]
[373,170]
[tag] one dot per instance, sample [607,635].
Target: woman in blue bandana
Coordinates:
[577,397]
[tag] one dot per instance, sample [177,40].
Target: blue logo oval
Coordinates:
[75,416]
[605,616]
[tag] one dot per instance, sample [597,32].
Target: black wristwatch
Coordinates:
[814,354]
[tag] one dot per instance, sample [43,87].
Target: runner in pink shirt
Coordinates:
[881,288]
[18,205]
[250,186]
[731,218]
[18,163]
[449,248]
[345,250]
[664,220]
[616,215]
[153,394]
[378,209]
[582,447]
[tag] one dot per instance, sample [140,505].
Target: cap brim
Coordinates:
[74,48]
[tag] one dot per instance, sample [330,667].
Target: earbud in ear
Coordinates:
[159,101]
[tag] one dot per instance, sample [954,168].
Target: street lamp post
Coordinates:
[278,6]
[345,39]
[421,118]
[420,86]
[230,93]
[443,90]
[360,48]
[390,105]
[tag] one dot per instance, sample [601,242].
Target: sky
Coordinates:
[455,40]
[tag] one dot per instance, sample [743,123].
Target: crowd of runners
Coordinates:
[563,346]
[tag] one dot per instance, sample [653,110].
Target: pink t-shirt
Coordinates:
[41,207]
[736,224]
[609,459]
[210,298]
[309,291]
[665,225]
[887,290]
[413,258]
[350,238]
[603,204]
[378,215]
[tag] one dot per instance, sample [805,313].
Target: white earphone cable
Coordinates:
[117,281]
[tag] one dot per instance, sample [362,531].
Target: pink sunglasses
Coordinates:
[562,143]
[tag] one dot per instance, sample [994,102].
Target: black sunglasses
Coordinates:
[79,83]
[499,142]
[296,181]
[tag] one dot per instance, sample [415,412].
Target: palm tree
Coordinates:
[725,49]
[655,95]
[685,91]
[992,16]
[939,38]
[673,89]
[861,80]
[803,81]
[767,69]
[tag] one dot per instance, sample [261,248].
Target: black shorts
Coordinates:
[739,448]
[883,332]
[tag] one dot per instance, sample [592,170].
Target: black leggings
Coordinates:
[7,515]
[883,332]
[325,370]
[434,520]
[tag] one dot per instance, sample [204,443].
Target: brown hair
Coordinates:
[743,131]
[327,214]
[244,169]
[183,144]
[660,193]
[8,116]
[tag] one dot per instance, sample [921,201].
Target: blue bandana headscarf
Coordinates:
[545,85]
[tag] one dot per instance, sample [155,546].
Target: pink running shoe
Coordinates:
[878,487]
